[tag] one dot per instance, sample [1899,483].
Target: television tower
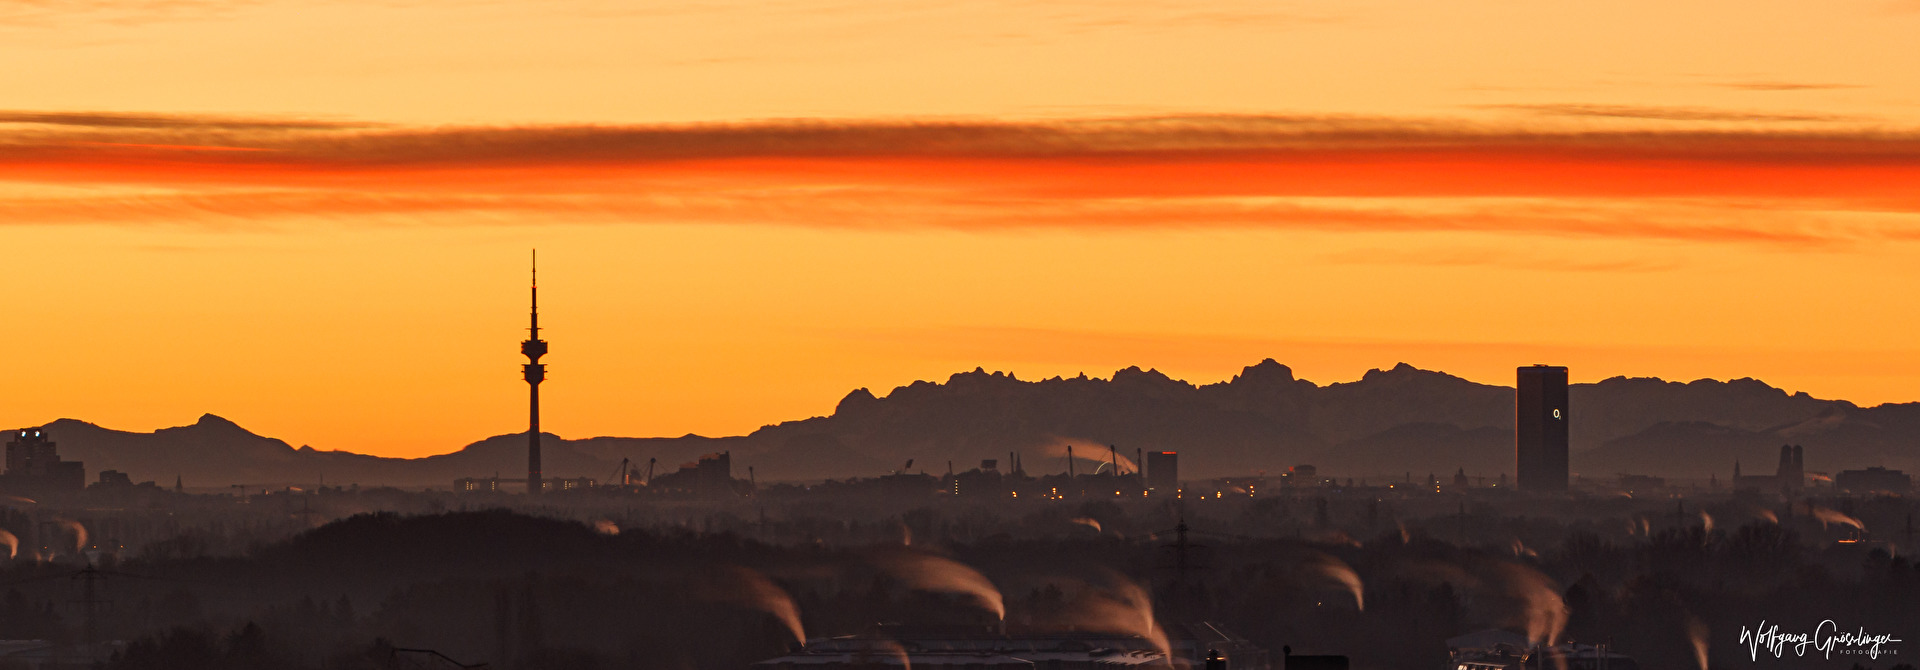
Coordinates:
[534,348]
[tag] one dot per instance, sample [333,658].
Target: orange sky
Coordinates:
[313,218]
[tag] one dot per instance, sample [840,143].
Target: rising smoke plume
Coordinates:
[1512,594]
[1697,633]
[1326,566]
[1827,516]
[1088,522]
[1333,537]
[1118,605]
[749,588]
[933,573]
[79,534]
[1543,613]
[892,649]
[1091,452]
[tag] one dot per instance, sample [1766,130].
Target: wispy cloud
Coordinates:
[1785,86]
[1497,257]
[1659,113]
[172,122]
[1798,187]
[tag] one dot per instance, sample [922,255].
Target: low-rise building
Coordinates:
[1873,480]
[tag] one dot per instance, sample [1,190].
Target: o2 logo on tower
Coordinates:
[1556,414]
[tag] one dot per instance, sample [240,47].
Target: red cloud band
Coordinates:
[1129,172]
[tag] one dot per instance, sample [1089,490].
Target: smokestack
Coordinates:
[1069,462]
[1113,459]
[1139,458]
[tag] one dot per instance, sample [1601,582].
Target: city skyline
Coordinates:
[472,439]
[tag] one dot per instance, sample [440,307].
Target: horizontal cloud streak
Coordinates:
[168,121]
[1329,173]
[875,210]
[1179,138]
[1672,113]
[1785,86]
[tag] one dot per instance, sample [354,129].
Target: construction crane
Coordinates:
[650,463]
[622,474]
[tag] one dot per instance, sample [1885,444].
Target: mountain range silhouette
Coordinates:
[1389,423]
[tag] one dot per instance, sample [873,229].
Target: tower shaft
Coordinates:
[534,478]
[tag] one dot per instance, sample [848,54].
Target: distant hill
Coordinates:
[215,452]
[1388,423]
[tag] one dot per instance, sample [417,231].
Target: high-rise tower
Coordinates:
[534,348]
[1540,428]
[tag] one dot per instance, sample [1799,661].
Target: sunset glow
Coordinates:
[314,218]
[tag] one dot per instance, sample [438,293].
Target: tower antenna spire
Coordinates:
[536,295]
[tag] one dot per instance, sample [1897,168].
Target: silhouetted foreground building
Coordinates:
[1793,468]
[985,647]
[1301,476]
[1873,480]
[1163,472]
[1787,479]
[34,466]
[709,477]
[494,484]
[479,484]
[1540,428]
